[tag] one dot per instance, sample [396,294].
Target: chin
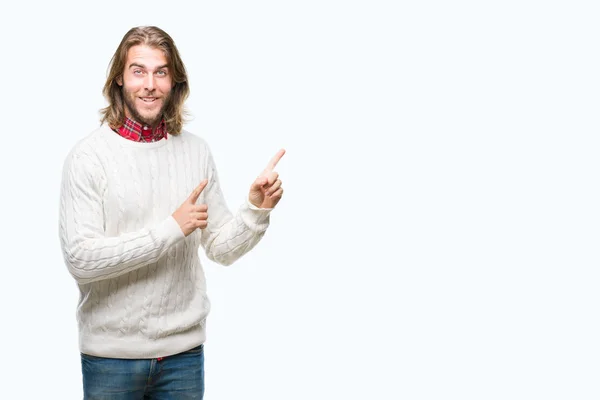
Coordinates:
[149,117]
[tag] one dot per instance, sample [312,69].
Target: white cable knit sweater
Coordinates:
[142,287]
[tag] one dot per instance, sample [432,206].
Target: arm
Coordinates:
[226,237]
[90,255]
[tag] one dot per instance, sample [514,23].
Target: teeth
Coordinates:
[148,99]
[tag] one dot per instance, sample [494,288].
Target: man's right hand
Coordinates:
[190,216]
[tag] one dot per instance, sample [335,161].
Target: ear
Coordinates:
[119,80]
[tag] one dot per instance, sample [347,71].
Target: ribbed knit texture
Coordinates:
[142,286]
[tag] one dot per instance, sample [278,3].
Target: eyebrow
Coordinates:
[144,67]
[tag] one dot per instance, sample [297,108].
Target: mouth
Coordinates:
[148,99]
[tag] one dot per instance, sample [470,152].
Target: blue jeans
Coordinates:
[180,376]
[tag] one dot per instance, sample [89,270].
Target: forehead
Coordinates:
[145,55]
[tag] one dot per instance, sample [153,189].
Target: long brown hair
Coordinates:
[174,114]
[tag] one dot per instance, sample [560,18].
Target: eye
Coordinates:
[138,72]
[162,72]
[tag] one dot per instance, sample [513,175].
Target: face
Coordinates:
[146,84]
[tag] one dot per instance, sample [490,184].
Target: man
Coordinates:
[139,196]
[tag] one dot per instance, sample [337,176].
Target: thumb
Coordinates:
[258,183]
[196,193]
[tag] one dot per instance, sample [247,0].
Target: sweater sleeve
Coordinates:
[89,255]
[228,237]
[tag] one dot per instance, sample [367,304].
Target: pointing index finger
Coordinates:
[275,160]
[196,193]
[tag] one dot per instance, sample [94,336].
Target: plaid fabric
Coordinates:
[135,131]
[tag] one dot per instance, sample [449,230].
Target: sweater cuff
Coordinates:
[257,219]
[169,231]
[253,207]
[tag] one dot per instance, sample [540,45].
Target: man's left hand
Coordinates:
[266,191]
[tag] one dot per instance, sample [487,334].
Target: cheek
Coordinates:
[165,87]
[132,85]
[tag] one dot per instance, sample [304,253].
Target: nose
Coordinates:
[149,82]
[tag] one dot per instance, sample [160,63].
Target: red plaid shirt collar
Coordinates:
[140,133]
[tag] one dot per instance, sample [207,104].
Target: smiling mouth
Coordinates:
[148,99]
